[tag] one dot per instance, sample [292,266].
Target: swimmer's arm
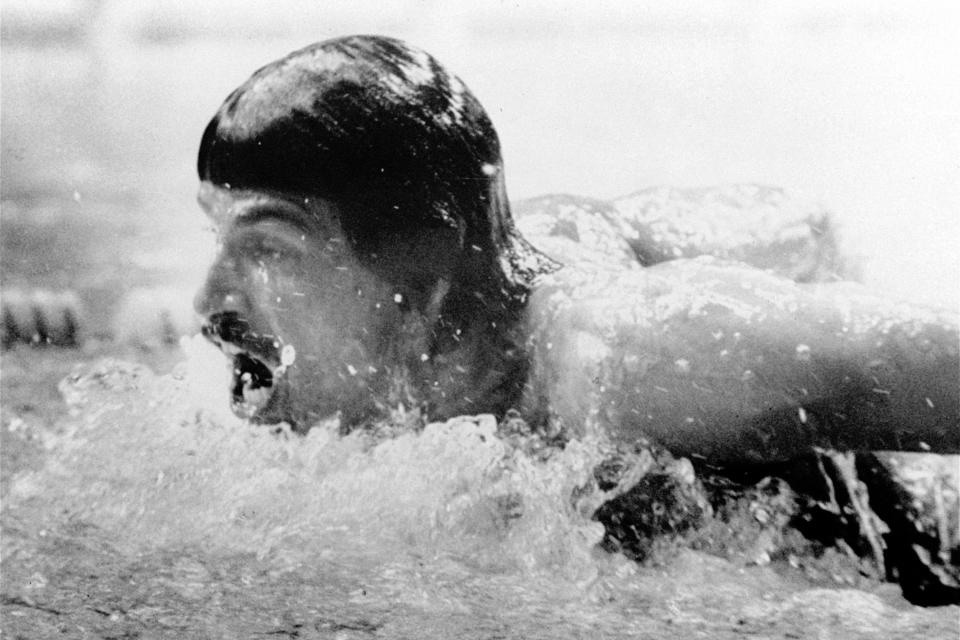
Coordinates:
[725,361]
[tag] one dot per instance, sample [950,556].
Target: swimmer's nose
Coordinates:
[205,306]
[221,292]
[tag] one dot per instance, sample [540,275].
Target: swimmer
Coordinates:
[368,259]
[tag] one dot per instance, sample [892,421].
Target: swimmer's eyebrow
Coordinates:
[278,211]
[249,207]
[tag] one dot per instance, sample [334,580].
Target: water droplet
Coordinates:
[288,355]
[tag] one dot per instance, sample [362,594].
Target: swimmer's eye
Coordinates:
[265,250]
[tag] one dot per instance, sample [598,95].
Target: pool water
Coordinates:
[156,513]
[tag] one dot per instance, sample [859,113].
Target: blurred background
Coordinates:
[855,105]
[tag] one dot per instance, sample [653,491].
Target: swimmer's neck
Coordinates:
[468,359]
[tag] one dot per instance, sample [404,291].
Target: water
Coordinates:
[158,512]
[153,512]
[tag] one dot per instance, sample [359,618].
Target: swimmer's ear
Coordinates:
[415,335]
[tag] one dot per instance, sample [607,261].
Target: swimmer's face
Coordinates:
[301,320]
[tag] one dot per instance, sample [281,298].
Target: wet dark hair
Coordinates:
[404,149]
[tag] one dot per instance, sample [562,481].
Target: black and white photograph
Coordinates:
[501,319]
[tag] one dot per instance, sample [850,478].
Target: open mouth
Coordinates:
[258,364]
[252,385]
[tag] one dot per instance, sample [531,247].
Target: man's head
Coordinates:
[358,193]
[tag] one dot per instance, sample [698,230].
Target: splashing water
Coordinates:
[164,463]
[447,532]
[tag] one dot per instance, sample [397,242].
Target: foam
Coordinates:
[158,461]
